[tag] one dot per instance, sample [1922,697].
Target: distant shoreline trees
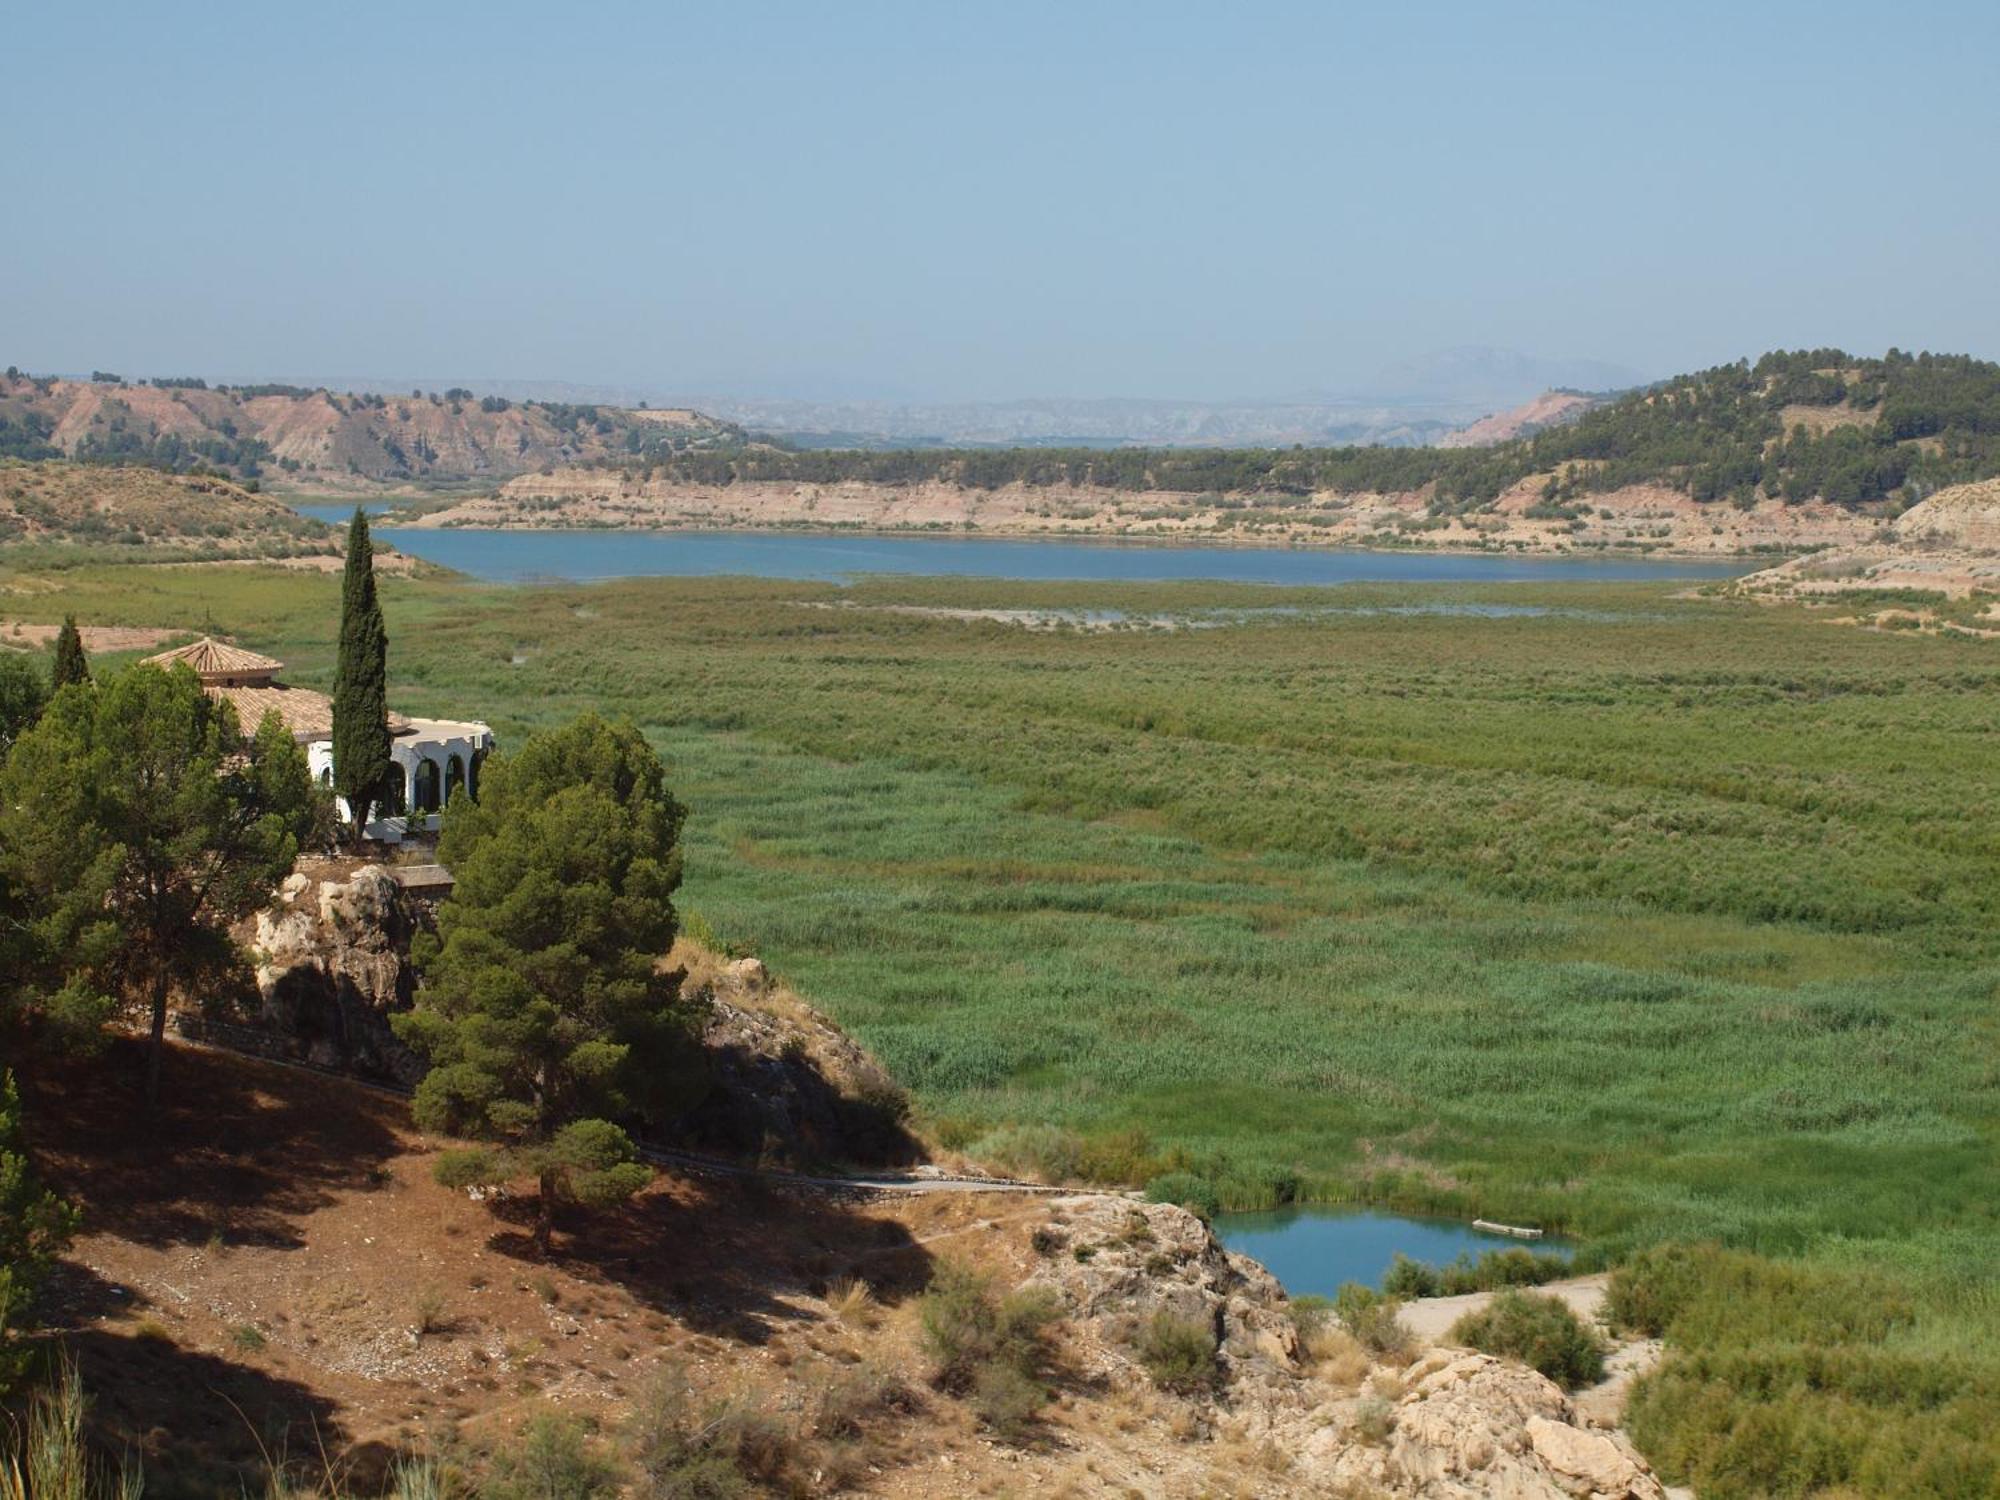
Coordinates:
[1719,435]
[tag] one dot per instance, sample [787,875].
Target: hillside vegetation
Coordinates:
[1792,426]
[320,437]
[48,510]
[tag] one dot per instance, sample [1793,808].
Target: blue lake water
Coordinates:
[1313,1250]
[584,556]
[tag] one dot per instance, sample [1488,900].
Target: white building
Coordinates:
[429,758]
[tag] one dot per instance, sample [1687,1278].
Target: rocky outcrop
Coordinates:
[1965,516]
[1947,546]
[787,1086]
[1469,1425]
[332,962]
[1451,1425]
[1119,1263]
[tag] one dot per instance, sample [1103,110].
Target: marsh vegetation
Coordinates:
[1654,920]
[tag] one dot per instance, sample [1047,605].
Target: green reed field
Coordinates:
[1638,916]
[1644,917]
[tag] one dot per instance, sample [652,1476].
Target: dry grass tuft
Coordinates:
[1337,1357]
[852,1301]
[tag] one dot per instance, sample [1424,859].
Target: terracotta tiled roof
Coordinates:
[308,714]
[212,658]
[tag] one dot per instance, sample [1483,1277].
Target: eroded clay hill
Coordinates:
[328,439]
[1935,567]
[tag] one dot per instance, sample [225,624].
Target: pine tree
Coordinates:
[360,682]
[71,663]
[142,825]
[544,1009]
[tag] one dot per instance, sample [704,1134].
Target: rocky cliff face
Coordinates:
[1966,517]
[1638,519]
[1947,546]
[777,1082]
[788,1086]
[332,961]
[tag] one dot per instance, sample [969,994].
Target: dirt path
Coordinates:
[1429,1318]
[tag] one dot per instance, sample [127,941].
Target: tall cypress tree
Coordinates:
[71,664]
[360,682]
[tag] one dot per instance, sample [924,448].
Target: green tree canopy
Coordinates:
[360,681]
[71,664]
[22,694]
[545,1009]
[140,823]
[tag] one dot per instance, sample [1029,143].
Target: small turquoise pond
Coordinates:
[1313,1250]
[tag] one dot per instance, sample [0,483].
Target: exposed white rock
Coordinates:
[1452,1425]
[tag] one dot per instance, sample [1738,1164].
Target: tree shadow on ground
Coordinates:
[782,1106]
[236,1151]
[722,1256]
[198,1425]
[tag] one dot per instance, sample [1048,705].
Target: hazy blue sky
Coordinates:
[978,201]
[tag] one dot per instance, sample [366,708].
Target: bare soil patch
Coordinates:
[30,637]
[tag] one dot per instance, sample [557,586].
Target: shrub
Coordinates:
[1118,1156]
[1195,1194]
[1410,1278]
[1538,1330]
[715,1452]
[1046,1152]
[969,1329]
[1374,1420]
[1649,1291]
[1785,1377]
[431,1313]
[1310,1314]
[1503,1268]
[847,1397]
[1007,1400]
[552,1456]
[1179,1353]
[1373,1319]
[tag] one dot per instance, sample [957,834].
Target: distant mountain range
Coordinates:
[1409,404]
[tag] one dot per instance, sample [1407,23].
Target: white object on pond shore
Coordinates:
[1515,1230]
